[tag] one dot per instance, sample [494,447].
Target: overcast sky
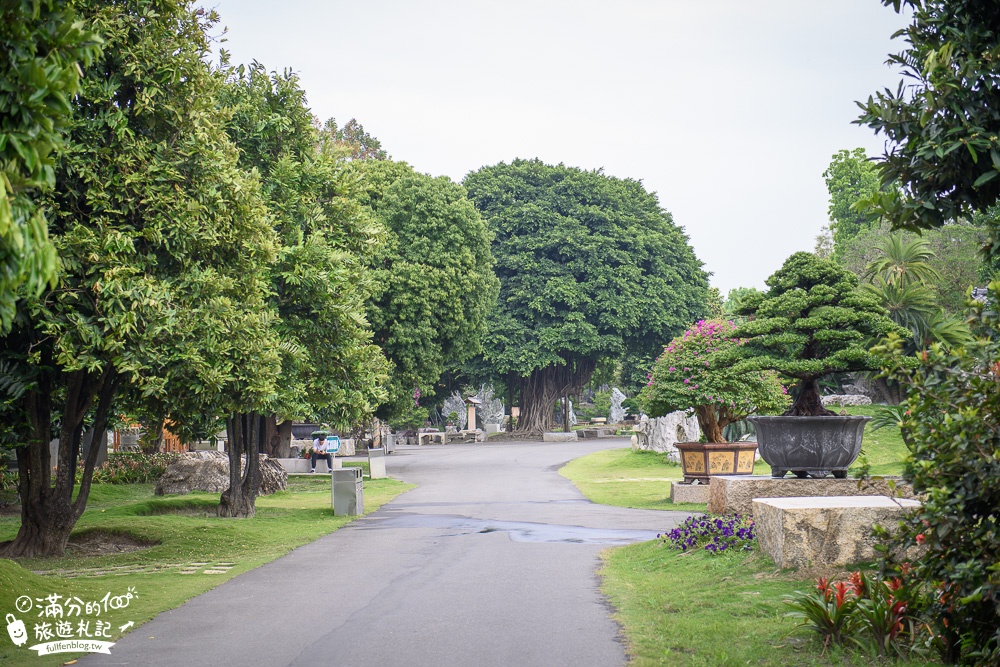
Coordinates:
[729,110]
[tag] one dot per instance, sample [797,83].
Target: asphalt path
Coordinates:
[491,561]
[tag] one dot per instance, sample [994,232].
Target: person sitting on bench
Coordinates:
[320,451]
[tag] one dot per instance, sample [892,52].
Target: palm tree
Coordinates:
[903,261]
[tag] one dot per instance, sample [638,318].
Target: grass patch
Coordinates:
[692,608]
[187,540]
[883,449]
[627,478]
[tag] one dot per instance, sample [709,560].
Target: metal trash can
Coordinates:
[348,492]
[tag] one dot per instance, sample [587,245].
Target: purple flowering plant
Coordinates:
[714,534]
[688,376]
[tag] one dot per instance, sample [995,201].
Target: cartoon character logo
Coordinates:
[16,630]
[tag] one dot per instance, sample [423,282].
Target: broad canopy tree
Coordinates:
[163,242]
[435,277]
[590,268]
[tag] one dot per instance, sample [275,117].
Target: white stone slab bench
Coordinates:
[822,530]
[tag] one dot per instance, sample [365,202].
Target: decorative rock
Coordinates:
[663,433]
[689,493]
[209,471]
[734,494]
[617,413]
[846,399]
[559,436]
[798,532]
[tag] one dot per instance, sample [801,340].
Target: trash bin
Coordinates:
[376,462]
[348,492]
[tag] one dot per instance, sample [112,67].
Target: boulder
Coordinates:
[663,433]
[209,471]
[846,399]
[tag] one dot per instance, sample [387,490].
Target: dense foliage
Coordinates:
[953,412]
[685,377]
[132,467]
[42,45]
[434,278]
[850,178]
[813,321]
[330,370]
[163,243]
[942,147]
[590,267]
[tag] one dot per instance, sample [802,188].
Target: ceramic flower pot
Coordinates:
[702,460]
[809,446]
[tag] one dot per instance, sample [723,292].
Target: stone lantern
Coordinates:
[470,405]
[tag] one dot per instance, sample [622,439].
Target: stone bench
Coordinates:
[559,436]
[811,530]
[430,438]
[734,494]
[305,465]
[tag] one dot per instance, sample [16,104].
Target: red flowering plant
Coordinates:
[687,376]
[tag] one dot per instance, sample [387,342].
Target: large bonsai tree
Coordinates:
[685,377]
[813,321]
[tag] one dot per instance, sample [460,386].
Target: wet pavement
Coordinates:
[492,560]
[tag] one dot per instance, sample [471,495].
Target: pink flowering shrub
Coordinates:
[688,377]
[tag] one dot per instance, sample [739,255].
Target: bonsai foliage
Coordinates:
[684,377]
[813,321]
[591,268]
[951,422]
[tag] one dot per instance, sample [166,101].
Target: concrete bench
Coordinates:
[430,438]
[559,436]
[820,530]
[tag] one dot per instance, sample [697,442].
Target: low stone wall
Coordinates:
[559,436]
[799,532]
[846,399]
[689,493]
[734,494]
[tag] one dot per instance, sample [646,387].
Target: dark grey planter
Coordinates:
[809,446]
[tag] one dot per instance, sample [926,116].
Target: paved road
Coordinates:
[490,561]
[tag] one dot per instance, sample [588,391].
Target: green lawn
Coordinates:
[692,608]
[642,479]
[627,478]
[189,540]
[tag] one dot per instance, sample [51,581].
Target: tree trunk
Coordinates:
[709,424]
[888,391]
[49,511]
[541,389]
[245,432]
[808,402]
[277,437]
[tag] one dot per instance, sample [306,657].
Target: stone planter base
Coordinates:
[689,493]
[799,532]
[703,460]
[735,494]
